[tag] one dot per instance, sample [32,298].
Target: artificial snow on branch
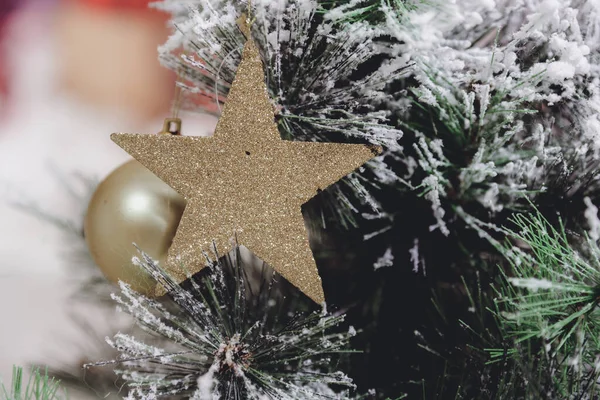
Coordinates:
[319,71]
[230,333]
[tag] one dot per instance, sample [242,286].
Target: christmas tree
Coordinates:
[460,261]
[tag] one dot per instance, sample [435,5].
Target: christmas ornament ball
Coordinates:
[132,205]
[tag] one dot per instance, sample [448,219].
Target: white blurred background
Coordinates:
[71,73]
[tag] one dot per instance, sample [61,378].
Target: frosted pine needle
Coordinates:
[39,387]
[319,71]
[231,334]
[549,301]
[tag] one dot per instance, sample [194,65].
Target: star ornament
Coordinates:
[245,182]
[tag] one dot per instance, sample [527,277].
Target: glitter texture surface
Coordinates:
[245,182]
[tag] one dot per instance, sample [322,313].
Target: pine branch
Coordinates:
[229,333]
[549,303]
[39,387]
[319,71]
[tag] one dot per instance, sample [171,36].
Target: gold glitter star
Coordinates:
[246,182]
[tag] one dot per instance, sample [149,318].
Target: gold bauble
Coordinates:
[131,206]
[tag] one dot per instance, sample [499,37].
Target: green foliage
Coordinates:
[549,305]
[39,387]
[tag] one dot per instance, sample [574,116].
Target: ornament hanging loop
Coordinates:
[171,126]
